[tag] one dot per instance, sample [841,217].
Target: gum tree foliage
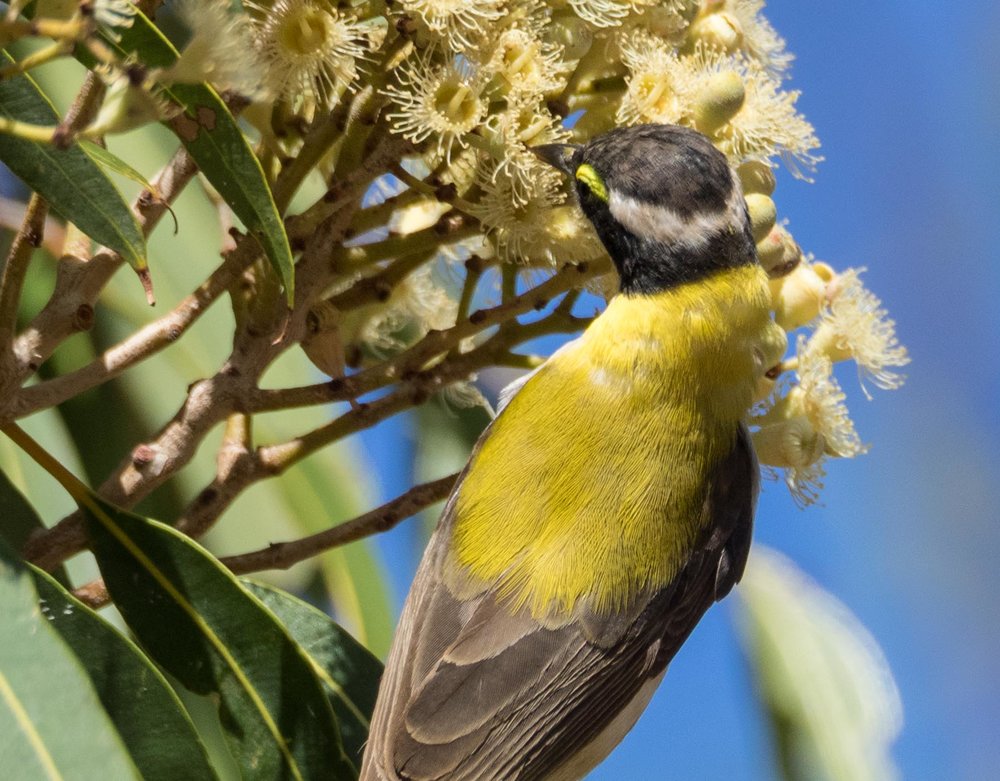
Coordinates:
[335,208]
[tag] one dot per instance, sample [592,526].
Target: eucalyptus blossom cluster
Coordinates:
[472,86]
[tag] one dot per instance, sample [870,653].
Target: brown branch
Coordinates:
[208,403]
[148,466]
[54,232]
[417,387]
[79,281]
[282,555]
[145,342]
[433,344]
[82,112]
[94,594]
[28,238]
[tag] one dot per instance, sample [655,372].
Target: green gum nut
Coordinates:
[797,298]
[756,176]
[719,30]
[718,101]
[763,215]
[771,250]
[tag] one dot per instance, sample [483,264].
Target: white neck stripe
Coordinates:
[659,223]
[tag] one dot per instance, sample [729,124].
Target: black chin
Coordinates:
[647,267]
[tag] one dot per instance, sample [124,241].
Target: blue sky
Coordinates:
[905,97]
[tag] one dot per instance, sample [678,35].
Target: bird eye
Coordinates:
[586,174]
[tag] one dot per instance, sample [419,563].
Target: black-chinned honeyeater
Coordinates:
[611,501]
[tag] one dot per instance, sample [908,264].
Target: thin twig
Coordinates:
[208,403]
[142,344]
[282,555]
[54,232]
[28,238]
[83,110]
[451,228]
[79,281]
[433,344]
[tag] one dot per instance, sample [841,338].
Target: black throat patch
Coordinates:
[647,266]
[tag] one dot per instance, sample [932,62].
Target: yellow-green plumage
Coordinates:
[608,505]
[656,380]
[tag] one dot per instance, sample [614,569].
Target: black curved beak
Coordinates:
[558,155]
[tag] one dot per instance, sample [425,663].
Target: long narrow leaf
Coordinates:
[52,725]
[347,669]
[214,140]
[147,713]
[111,162]
[19,519]
[825,684]
[72,183]
[325,488]
[196,620]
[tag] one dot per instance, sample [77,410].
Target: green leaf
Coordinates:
[349,672]
[72,183]
[19,520]
[115,164]
[196,620]
[52,725]
[324,489]
[214,140]
[828,690]
[147,713]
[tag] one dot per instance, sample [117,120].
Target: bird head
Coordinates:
[664,202]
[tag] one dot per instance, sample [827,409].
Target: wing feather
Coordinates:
[492,695]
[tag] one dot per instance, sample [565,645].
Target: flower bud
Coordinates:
[417,216]
[771,250]
[778,253]
[126,107]
[756,176]
[718,30]
[763,215]
[791,256]
[798,297]
[790,444]
[827,340]
[826,273]
[718,101]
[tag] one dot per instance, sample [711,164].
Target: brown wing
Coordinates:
[473,692]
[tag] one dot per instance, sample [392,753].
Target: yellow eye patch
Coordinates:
[586,174]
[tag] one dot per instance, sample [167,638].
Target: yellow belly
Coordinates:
[590,483]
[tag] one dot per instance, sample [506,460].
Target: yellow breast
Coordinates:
[590,482]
